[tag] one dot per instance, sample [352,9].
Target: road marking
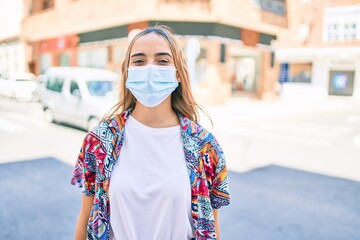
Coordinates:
[10,126]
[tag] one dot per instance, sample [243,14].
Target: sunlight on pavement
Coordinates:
[353,119]
[357,141]
[9,126]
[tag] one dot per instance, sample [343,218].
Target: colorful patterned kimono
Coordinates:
[204,159]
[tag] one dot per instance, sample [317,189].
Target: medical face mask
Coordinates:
[151,84]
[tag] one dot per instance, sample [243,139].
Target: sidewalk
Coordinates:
[248,109]
[302,134]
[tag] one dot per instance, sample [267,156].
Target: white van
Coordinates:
[78,96]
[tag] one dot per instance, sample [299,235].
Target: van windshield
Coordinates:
[100,88]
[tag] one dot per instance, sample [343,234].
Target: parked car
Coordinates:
[77,96]
[39,87]
[19,86]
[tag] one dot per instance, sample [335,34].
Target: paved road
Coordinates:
[270,203]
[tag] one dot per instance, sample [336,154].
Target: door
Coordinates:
[245,74]
[74,104]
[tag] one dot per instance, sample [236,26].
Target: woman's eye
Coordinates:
[138,61]
[163,61]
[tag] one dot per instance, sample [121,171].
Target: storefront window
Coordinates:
[64,59]
[96,58]
[341,83]
[295,72]
[244,75]
[300,72]
[45,62]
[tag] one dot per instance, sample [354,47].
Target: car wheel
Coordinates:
[49,116]
[92,123]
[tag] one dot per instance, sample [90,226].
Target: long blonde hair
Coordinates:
[182,100]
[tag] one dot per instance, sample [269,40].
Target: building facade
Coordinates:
[228,44]
[12,48]
[321,55]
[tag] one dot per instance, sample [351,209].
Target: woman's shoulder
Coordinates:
[196,130]
[109,125]
[102,133]
[100,129]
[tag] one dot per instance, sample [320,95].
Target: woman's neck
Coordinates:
[157,117]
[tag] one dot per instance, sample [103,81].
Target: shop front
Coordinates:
[222,59]
[318,73]
[59,51]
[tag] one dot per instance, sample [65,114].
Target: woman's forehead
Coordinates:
[150,43]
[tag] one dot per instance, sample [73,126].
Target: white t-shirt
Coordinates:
[150,195]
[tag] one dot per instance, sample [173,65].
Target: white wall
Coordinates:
[12,57]
[357,79]
[11,14]
[12,54]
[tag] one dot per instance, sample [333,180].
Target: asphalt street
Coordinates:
[269,203]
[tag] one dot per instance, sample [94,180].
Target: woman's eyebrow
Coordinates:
[162,54]
[156,55]
[138,54]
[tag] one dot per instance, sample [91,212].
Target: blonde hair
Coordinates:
[182,100]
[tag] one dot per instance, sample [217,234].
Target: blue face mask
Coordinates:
[151,84]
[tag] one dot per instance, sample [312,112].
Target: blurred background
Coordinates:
[280,79]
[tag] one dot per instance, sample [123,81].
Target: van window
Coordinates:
[73,86]
[100,88]
[55,84]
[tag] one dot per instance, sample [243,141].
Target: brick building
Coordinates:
[319,54]
[228,43]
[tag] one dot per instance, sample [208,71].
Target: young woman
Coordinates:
[149,170]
